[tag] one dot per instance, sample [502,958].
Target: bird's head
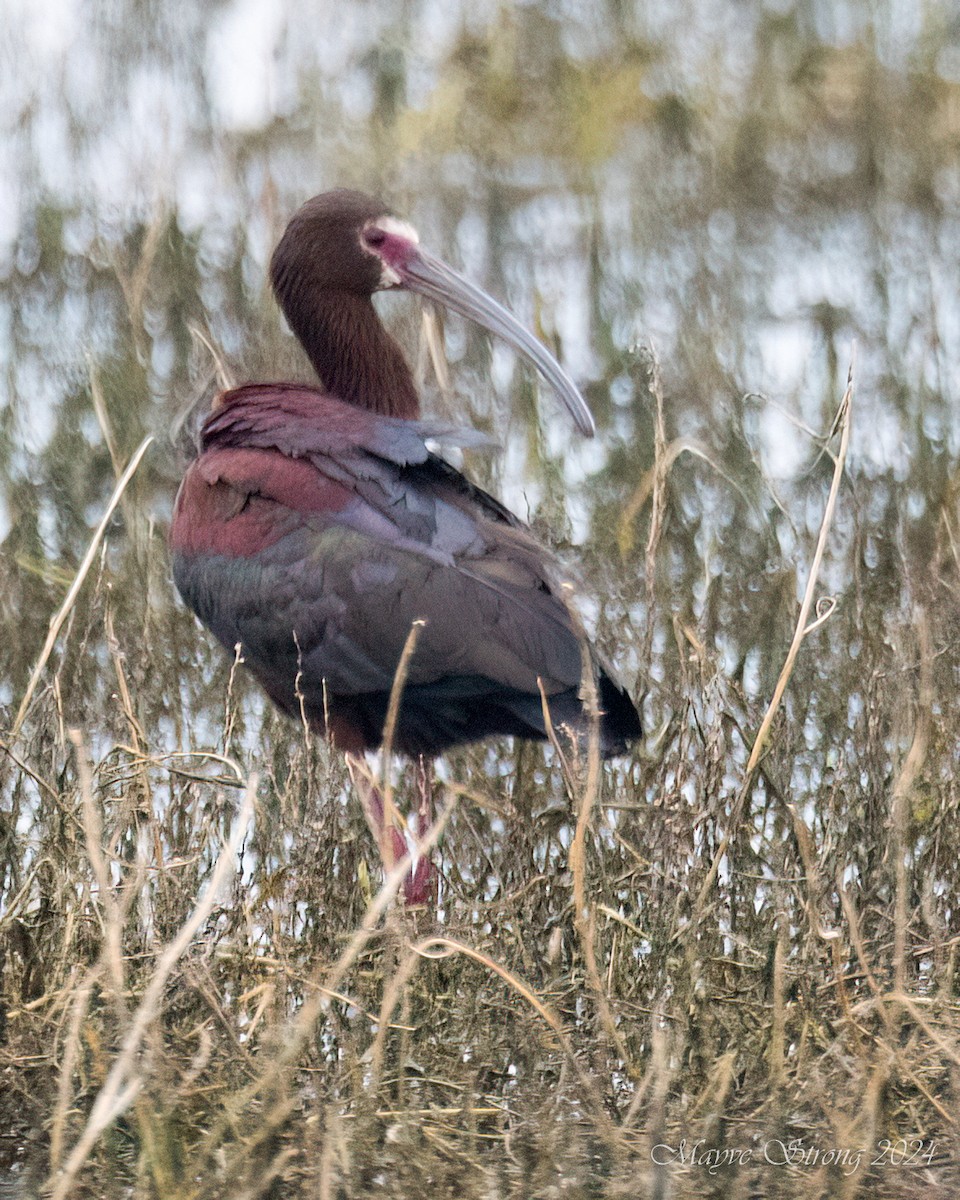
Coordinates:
[345,241]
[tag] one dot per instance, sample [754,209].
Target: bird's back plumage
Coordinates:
[314,533]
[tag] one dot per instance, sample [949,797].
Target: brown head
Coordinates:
[323,247]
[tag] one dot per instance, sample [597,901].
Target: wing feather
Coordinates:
[328,531]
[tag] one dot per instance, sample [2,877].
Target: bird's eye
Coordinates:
[374,237]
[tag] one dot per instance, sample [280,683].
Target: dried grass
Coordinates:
[684,949]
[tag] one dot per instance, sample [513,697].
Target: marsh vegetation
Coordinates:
[703,208]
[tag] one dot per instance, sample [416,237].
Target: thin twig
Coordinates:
[802,629]
[389,732]
[843,419]
[56,622]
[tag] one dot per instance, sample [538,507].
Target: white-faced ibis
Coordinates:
[315,526]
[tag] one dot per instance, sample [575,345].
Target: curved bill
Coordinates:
[433,278]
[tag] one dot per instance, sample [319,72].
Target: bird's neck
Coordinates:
[354,356]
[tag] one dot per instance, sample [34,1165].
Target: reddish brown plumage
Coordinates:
[223,507]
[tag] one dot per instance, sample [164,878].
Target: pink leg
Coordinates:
[392,843]
[421,886]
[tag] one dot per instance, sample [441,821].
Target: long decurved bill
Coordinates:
[431,277]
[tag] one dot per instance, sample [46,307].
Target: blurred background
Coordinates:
[710,211]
